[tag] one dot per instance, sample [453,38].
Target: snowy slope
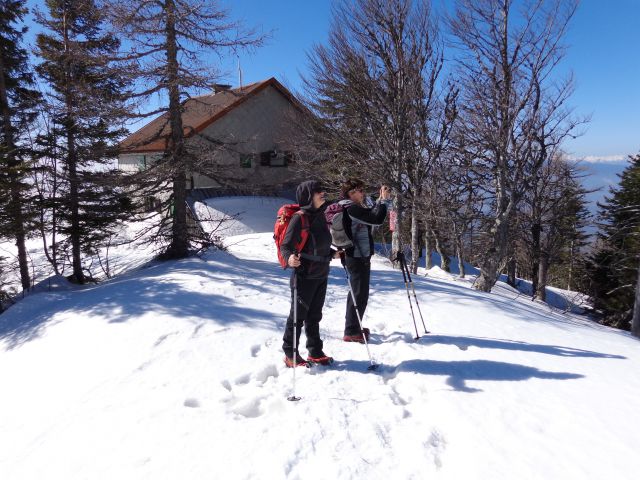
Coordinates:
[239,215]
[125,253]
[174,371]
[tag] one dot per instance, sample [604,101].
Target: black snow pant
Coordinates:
[311,294]
[359,274]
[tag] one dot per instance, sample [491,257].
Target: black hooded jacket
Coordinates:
[317,252]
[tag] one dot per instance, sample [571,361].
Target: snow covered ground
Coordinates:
[174,371]
[124,254]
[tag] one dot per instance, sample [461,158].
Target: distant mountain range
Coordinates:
[601,175]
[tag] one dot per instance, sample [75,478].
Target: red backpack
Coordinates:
[285,213]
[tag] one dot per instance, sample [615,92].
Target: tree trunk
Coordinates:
[74,201]
[179,247]
[543,270]
[511,272]
[396,237]
[427,249]
[459,248]
[493,258]
[635,321]
[15,204]
[536,229]
[72,166]
[53,256]
[415,238]
[445,262]
[570,273]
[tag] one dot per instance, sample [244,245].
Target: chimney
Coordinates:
[220,87]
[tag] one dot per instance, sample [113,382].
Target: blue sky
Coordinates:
[603,54]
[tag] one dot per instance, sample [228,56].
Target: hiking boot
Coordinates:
[353,338]
[357,337]
[320,359]
[300,362]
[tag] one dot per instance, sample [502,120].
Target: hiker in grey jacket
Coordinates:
[358,225]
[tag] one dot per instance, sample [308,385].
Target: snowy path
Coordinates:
[175,371]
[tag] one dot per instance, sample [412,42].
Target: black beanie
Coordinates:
[305,191]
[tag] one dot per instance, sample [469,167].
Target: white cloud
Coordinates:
[601,158]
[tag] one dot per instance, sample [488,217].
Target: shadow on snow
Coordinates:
[459,372]
[465,342]
[429,289]
[124,298]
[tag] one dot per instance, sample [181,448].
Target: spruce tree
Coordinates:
[86,107]
[551,221]
[613,268]
[18,99]
[562,238]
[169,40]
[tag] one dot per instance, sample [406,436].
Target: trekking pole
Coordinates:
[400,259]
[294,357]
[413,288]
[373,365]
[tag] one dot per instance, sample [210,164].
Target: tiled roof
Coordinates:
[199,112]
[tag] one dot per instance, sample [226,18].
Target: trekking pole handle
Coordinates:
[296,255]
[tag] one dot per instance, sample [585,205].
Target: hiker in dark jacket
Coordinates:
[358,225]
[310,269]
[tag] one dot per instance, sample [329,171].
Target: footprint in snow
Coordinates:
[241,398]
[268,371]
[191,403]
[248,408]
[396,398]
[243,379]
[259,377]
[434,447]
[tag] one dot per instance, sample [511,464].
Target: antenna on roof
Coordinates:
[239,74]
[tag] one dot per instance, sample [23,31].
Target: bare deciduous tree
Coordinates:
[514,111]
[374,89]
